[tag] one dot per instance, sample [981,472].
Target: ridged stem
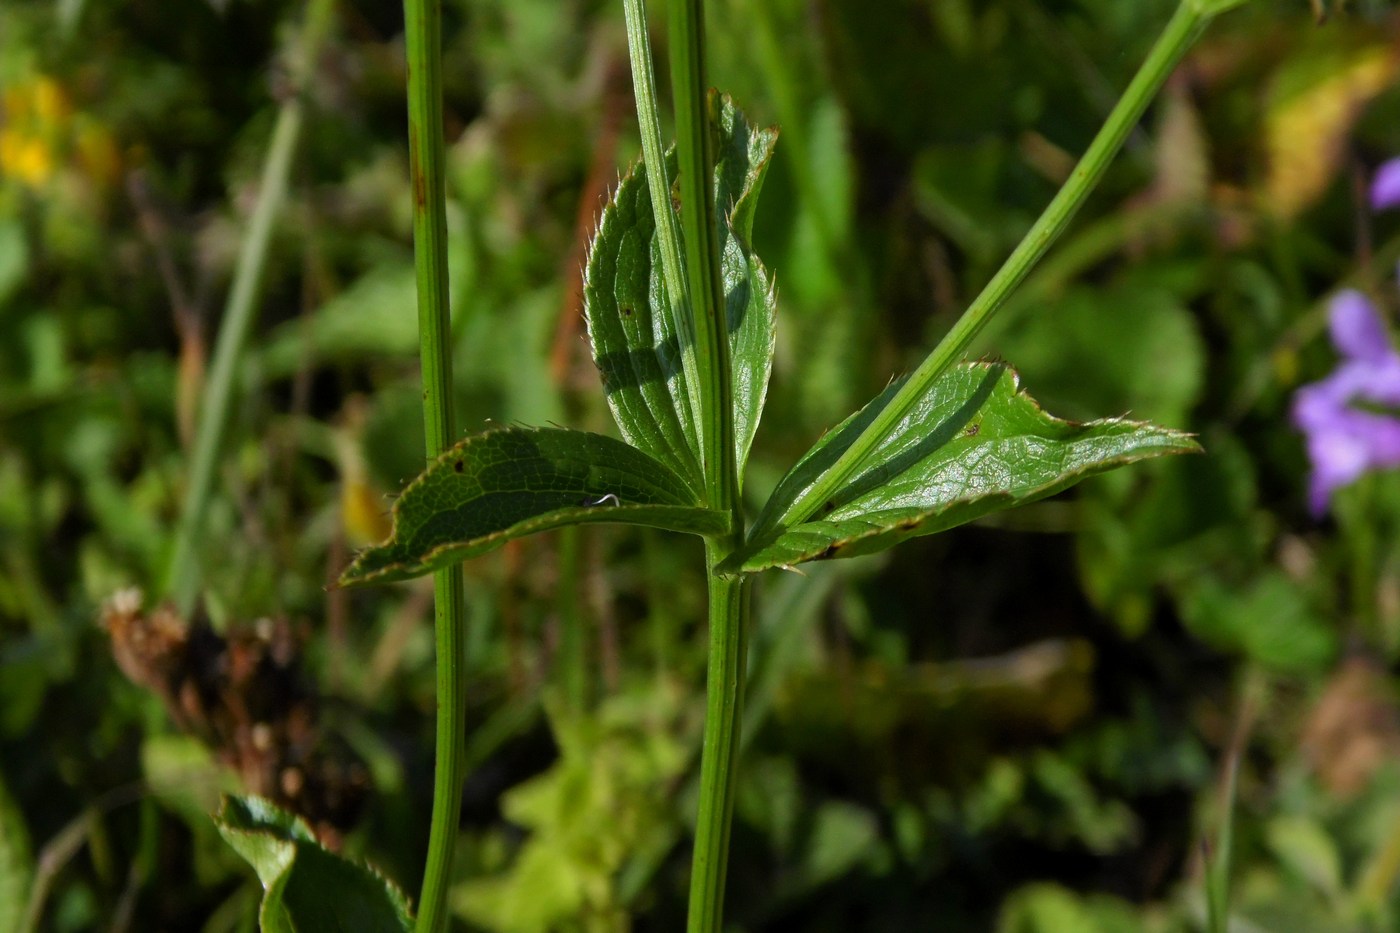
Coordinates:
[668,231]
[720,748]
[695,155]
[422,32]
[728,598]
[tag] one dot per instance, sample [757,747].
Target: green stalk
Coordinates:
[182,581]
[1182,30]
[659,187]
[728,598]
[695,151]
[422,32]
[719,751]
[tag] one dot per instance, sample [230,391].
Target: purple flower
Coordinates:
[1385,186]
[1345,439]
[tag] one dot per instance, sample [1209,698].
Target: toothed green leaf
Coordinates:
[635,347]
[750,302]
[638,352]
[512,482]
[973,444]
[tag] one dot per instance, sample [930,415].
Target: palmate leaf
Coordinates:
[973,444]
[511,482]
[635,347]
[307,888]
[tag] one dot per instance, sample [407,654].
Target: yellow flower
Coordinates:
[41,135]
[25,158]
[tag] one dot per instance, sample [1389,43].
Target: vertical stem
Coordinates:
[724,690]
[695,151]
[659,187]
[719,755]
[653,147]
[422,30]
[182,579]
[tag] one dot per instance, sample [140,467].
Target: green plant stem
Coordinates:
[728,598]
[1181,31]
[182,581]
[719,753]
[659,187]
[422,31]
[653,147]
[695,152]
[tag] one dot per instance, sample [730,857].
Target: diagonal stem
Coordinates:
[1181,31]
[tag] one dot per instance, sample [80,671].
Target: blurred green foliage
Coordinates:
[1018,725]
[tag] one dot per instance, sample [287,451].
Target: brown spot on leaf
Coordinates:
[457,466]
